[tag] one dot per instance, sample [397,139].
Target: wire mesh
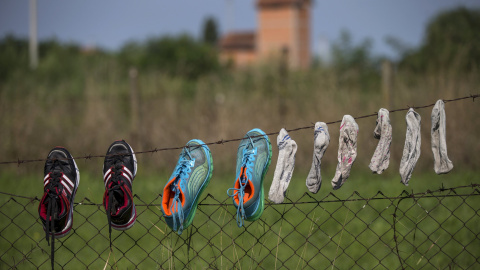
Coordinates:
[432,229]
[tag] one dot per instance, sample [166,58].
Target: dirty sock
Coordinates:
[320,144]
[411,150]
[287,148]
[439,145]
[347,150]
[383,131]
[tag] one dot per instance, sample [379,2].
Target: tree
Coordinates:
[451,39]
[177,56]
[13,55]
[210,31]
[346,55]
[355,63]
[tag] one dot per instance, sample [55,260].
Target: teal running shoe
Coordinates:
[189,179]
[253,159]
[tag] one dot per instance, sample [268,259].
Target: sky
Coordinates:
[111,23]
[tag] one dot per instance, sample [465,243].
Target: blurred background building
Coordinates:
[283,32]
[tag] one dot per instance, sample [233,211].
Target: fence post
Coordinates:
[33,43]
[387,76]
[283,80]
[134,107]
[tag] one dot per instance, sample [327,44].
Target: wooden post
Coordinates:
[33,45]
[283,80]
[387,79]
[134,107]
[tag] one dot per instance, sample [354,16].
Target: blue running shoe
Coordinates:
[253,159]
[189,179]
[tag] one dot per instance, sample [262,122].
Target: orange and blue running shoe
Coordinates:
[189,179]
[254,155]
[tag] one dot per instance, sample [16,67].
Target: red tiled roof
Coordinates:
[277,3]
[238,41]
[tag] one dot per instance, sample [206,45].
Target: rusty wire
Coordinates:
[222,141]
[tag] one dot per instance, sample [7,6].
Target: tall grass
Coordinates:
[358,233]
[85,114]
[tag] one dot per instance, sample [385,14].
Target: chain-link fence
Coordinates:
[433,229]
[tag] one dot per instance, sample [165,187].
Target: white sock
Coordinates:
[347,150]
[411,150]
[320,144]
[439,145]
[383,131]
[287,148]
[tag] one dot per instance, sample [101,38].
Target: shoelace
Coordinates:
[182,171]
[54,189]
[245,174]
[114,184]
[176,208]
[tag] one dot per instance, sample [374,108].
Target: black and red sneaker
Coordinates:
[119,170]
[59,187]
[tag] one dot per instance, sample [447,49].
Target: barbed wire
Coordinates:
[222,141]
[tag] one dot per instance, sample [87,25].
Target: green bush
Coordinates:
[451,39]
[175,56]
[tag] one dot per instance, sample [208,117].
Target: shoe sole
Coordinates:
[191,215]
[133,218]
[129,224]
[68,228]
[258,213]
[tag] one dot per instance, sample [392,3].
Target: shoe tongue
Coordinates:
[243,178]
[117,202]
[58,211]
[175,184]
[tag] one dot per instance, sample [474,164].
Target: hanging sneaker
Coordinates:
[253,159]
[59,187]
[189,179]
[119,170]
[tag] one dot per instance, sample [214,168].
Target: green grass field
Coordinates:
[309,231]
[86,112]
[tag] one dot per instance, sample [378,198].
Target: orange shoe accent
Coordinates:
[168,196]
[249,188]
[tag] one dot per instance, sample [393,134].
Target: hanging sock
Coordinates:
[287,148]
[320,144]
[347,150]
[439,145]
[411,150]
[383,131]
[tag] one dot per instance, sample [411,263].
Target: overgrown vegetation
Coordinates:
[175,56]
[82,98]
[451,40]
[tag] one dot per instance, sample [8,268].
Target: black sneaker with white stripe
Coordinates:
[59,187]
[119,170]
